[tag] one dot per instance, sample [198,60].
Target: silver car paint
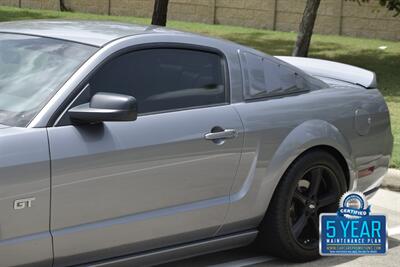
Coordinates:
[94,220]
[24,173]
[140,185]
[182,251]
[150,38]
[307,121]
[333,70]
[95,33]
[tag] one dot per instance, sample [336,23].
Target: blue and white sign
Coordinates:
[353,230]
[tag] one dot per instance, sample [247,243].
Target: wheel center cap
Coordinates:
[312,206]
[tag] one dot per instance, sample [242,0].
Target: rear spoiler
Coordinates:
[333,70]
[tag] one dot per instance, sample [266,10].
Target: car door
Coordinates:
[125,187]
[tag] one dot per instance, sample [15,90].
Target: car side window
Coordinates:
[164,79]
[264,77]
[254,75]
[290,80]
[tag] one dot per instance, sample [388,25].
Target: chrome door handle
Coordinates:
[225,134]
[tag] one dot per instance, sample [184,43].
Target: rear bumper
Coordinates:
[370,193]
[372,183]
[374,180]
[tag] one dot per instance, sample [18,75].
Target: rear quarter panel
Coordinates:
[280,129]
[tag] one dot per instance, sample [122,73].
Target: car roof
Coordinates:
[95,33]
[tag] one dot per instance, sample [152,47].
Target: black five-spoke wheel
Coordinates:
[316,192]
[312,185]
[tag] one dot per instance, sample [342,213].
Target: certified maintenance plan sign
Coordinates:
[352,230]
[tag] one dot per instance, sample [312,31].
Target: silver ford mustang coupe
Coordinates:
[126,145]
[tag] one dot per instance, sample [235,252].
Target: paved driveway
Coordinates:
[386,202]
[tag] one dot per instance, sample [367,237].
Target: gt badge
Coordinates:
[20,204]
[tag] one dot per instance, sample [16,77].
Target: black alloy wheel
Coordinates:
[317,192]
[313,184]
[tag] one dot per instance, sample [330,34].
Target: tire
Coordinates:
[297,202]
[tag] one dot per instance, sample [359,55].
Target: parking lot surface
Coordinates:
[385,201]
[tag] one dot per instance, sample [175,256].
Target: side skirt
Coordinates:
[182,251]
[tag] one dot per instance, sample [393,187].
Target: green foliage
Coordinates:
[392,5]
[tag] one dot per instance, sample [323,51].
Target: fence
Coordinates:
[338,17]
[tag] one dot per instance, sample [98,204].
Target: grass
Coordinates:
[355,51]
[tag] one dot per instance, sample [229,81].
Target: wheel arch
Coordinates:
[275,225]
[263,178]
[308,136]
[336,154]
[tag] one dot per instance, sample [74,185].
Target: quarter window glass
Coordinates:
[273,81]
[287,77]
[254,76]
[300,82]
[164,79]
[264,77]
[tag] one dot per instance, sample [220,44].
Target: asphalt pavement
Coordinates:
[392,180]
[384,201]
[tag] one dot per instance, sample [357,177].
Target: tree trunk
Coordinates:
[160,12]
[306,28]
[62,6]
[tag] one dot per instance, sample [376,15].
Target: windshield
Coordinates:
[32,69]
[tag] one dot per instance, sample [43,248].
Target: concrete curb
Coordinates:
[392,180]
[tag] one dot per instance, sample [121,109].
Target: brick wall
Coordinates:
[38,4]
[334,16]
[97,6]
[137,8]
[192,10]
[9,3]
[370,21]
[255,13]
[289,15]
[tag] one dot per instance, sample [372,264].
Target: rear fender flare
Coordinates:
[250,203]
[306,136]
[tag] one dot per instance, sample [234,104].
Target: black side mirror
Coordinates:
[105,107]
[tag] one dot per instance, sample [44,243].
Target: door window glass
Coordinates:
[164,79]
